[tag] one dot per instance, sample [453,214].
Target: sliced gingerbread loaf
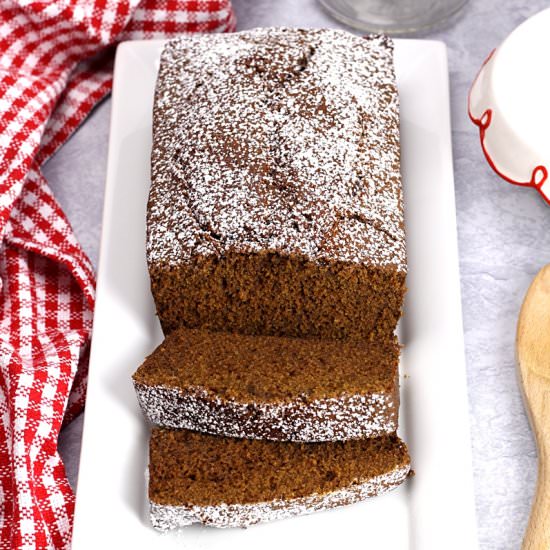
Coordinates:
[276,206]
[227,482]
[269,387]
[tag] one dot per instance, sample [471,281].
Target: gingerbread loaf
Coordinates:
[226,482]
[268,387]
[276,205]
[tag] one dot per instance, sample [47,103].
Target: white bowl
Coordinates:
[510,103]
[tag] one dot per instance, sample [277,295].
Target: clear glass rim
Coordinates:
[395,28]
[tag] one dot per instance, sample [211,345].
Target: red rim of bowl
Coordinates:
[539,174]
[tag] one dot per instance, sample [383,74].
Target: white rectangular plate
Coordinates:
[433,510]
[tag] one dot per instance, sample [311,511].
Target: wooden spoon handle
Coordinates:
[537,535]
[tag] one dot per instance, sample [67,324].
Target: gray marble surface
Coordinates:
[504,238]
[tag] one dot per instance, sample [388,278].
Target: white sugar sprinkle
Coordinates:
[165,517]
[283,140]
[300,419]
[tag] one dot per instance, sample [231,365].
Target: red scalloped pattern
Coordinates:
[539,174]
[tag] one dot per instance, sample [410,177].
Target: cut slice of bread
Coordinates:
[267,387]
[227,482]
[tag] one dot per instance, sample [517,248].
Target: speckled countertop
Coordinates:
[504,238]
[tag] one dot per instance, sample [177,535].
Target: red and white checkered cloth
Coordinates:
[55,65]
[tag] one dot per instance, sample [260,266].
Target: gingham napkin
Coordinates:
[55,65]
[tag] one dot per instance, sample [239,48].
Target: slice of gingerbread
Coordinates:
[267,387]
[226,482]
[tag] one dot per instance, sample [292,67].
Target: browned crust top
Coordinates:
[282,140]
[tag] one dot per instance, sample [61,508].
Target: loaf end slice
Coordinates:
[226,482]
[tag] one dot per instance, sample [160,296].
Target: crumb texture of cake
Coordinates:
[227,482]
[276,203]
[268,387]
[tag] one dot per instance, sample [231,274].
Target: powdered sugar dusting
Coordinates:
[166,517]
[329,419]
[279,140]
